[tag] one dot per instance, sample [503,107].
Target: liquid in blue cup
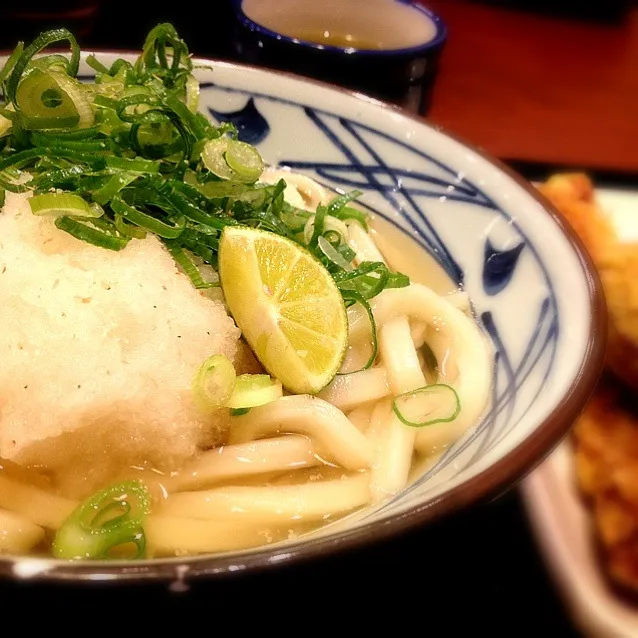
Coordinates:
[388,49]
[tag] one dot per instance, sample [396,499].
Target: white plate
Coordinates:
[558,516]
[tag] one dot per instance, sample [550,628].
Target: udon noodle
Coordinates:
[301,462]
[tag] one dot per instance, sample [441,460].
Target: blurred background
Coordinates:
[510,72]
[207,27]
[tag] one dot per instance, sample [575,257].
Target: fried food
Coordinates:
[616,261]
[606,456]
[606,435]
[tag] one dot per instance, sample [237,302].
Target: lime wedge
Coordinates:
[287,306]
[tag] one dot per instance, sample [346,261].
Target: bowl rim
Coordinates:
[488,484]
[440,35]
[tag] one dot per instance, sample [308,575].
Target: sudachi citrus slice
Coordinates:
[287,306]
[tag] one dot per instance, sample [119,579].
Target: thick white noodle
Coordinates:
[459,299]
[176,535]
[419,331]
[325,424]
[271,505]
[399,356]
[393,457]
[34,504]
[362,244]
[360,416]
[461,350]
[387,440]
[277,454]
[18,534]
[347,391]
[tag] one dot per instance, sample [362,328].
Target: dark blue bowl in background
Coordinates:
[388,49]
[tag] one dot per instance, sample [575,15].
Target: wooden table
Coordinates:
[535,87]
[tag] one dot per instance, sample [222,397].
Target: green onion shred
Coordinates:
[436,403]
[214,382]
[252,390]
[107,525]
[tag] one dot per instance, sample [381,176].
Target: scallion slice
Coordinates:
[352,297]
[245,160]
[214,158]
[58,204]
[232,160]
[252,390]
[109,524]
[436,403]
[128,230]
[331,253]
[53,100]
[41,42]
[146,221]
[91,234]
[214,382]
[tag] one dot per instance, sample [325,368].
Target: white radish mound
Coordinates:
[98,350]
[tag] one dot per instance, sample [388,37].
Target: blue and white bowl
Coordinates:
[533,287]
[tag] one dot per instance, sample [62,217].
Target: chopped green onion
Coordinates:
[41,42]
[214,382]
[188,266]
[135,147]
[336,205]
[113,186]
[109,524]
[90,234]
[95,64]
[437,403]
[331,253]
[147,221]
[397,280]
[232,160]
[58,204]
[10,63]
[133,164]
[214,158]
[252,390]
[128,230]
[53,100]
[245,160]
[368,279]
[352,297]
[348,213]
[331,227]
[192,93]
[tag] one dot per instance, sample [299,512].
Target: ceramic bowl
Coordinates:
[534,291]
[389,49]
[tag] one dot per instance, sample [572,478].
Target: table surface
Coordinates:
[535,87]
[530,88]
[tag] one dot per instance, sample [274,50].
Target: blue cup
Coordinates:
[388,49]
